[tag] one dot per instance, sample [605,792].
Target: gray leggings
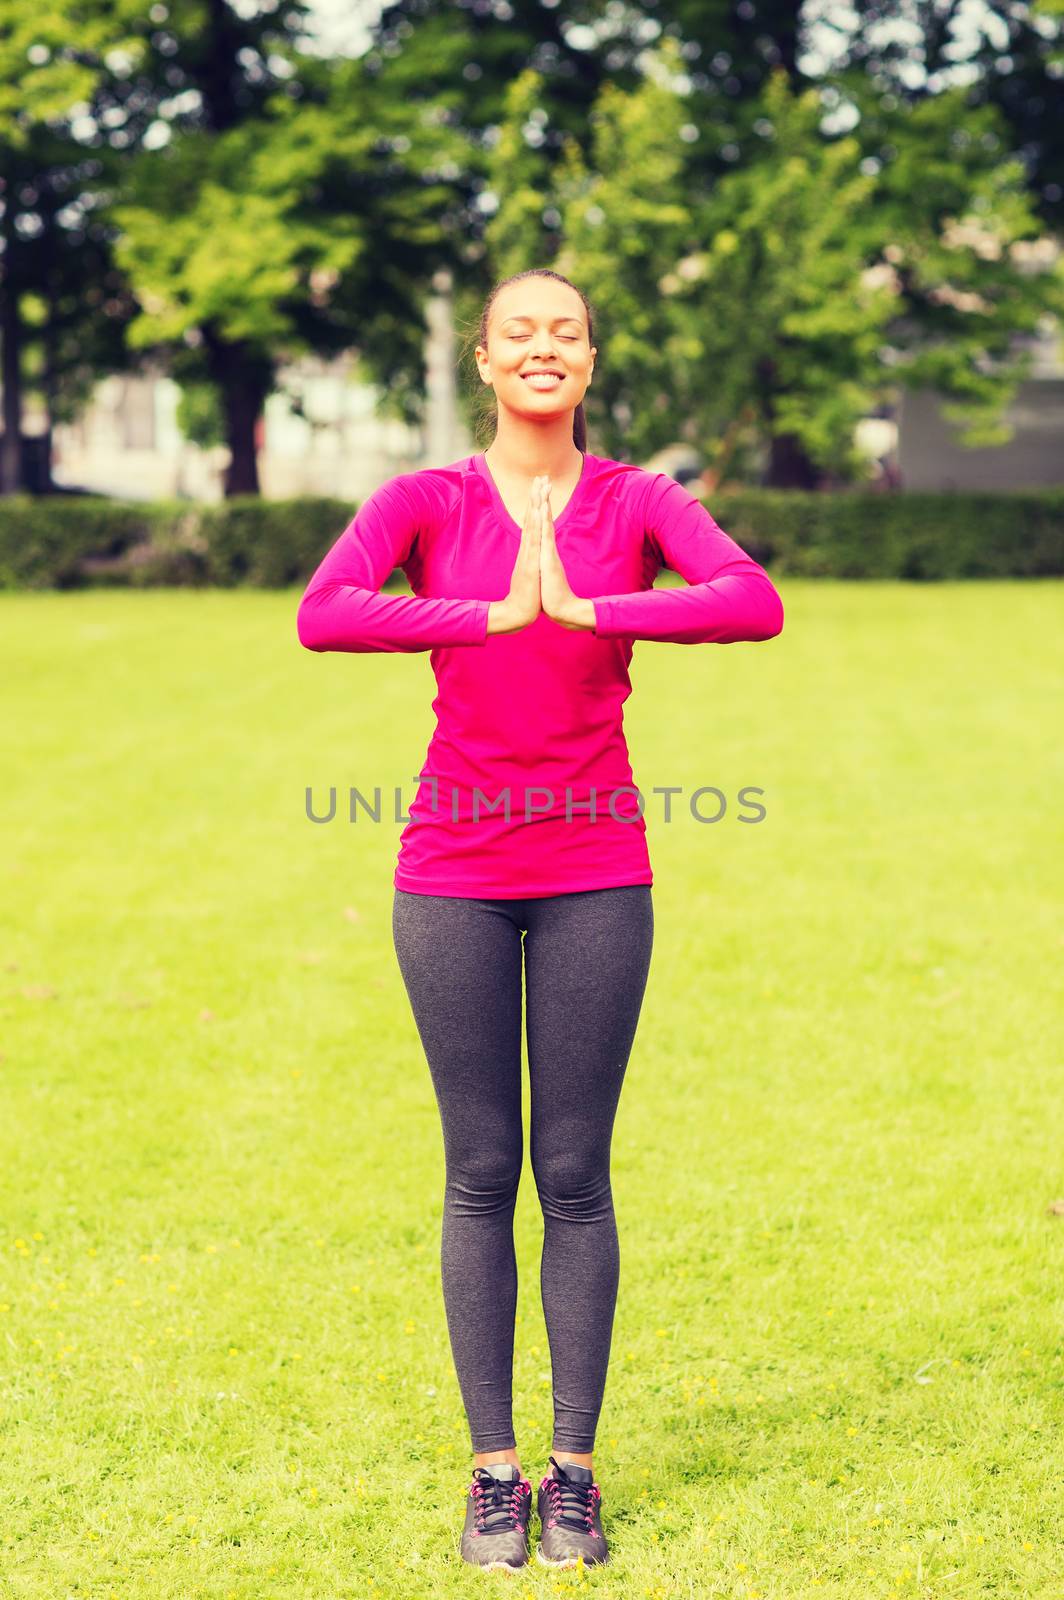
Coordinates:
[586,961]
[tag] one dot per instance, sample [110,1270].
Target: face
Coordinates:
[537,325]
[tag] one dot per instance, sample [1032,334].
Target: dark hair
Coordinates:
[485,410]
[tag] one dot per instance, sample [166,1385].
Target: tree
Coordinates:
[763,319]
[292,207]
[63,306]
[1006,55]
[850,272]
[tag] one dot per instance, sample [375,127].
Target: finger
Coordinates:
[532,540]
[530,526]
[532,533]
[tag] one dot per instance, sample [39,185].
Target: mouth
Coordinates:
[543,378]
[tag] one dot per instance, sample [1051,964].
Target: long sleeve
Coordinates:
[728,596]
[342,607]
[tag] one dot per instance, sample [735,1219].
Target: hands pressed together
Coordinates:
[539,582]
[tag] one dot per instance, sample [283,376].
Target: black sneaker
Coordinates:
[498,1508]
[569,1509]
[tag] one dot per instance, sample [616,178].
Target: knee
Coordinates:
[484,1180]
[574,1186]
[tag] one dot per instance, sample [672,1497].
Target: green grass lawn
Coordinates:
[838,1363]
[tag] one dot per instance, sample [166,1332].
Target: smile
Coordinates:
[542,380]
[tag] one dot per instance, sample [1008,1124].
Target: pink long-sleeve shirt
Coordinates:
[530,722]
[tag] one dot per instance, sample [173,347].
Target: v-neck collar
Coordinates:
[480,466]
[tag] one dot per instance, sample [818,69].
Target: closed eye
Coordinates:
[570,336]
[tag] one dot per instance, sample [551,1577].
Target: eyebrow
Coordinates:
[521,317]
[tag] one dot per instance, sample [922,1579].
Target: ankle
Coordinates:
[489,1458]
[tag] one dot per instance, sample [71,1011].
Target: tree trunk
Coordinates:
[788,465]
[48,385]
[12,475]
[244,379]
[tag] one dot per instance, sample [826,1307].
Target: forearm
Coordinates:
[336,616]
[737,606]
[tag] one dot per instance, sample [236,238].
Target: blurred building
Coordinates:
[331,442]
[319,434]
[929,456]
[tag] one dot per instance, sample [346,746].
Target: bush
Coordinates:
[67,542]
[45,542]
[270,543]
[862,534]
[77,541]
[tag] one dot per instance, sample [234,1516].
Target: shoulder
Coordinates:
[425,495]
[637,487]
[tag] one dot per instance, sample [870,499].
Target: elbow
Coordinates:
[306,630]
[773,622]
[761,612]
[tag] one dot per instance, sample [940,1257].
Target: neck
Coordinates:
[525,449]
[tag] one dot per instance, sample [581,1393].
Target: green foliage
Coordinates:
[73,542]
[920,535]
[233,249]
[519,174]
[272,543]
[44,542]
[199,415]
[42,77]
[760,282]
[789,301]
[625,220]
[68,542]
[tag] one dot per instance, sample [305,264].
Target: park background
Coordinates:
[243,250]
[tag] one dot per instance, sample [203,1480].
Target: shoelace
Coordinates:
[574,1503]
[499,1504]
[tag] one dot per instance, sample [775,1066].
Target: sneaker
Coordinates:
[569,1509]
[498,1508]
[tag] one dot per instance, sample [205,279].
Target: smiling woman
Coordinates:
[532,566]
[540,330]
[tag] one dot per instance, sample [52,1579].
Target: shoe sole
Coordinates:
[566,1561]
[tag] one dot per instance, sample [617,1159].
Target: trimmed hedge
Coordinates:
[68,542]
[79,542]
[918,535]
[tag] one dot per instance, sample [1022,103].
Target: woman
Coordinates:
[532,565]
